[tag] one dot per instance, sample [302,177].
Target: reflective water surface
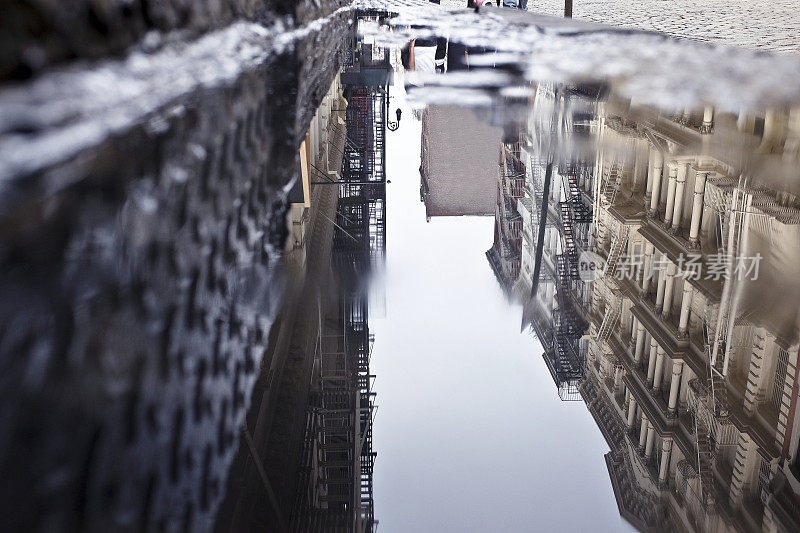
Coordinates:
[561,257]
[645,240]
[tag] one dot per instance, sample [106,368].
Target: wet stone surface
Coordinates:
[647,66]
[759,24]
[137,307]
[40,34]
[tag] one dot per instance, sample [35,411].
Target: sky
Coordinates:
[470,433]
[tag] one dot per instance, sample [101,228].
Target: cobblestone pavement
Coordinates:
[757,24]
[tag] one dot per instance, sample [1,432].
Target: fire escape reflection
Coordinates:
[335,490]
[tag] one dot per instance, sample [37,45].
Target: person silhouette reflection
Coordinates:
[426,55]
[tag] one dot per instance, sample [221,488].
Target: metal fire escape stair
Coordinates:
[618,244]
[708,401]
[719,391]
[609,321]
[581,213]
[612,178]
[570,248]
[568,324]
[720,199]
[705,458]
[567,271]
[613,305]
[565,353]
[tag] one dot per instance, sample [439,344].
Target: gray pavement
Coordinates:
[756,24]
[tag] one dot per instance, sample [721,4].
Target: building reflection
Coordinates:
[335,490]
[691,378]
[456,143]
[542,216]
[306,460]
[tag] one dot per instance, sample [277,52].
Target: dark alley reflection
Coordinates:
[309,465]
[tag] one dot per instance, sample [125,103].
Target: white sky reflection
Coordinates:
[470,433]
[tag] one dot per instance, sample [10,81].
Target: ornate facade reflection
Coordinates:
[689,375]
